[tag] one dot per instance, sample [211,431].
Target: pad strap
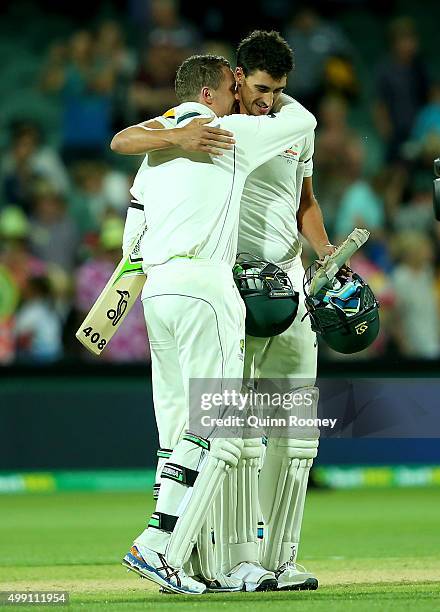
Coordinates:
[197,440]
[162,521]
[162,453]
[179,473]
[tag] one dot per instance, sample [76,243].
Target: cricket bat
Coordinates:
[334,262]
[115,301]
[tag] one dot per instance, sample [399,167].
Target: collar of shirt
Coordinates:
[190,110]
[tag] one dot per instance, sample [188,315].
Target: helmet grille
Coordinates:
[368,298]
[326,316]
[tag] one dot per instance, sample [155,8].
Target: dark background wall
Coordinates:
[80,417]
[64,422]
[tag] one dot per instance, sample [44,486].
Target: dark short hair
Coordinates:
[199,71]
[267,51]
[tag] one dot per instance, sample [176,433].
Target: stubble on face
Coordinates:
[258,92]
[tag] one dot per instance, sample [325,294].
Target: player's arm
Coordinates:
[310,221]
[149,136]
[141,138]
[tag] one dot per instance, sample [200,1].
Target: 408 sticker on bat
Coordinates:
[95,337]
[112,306]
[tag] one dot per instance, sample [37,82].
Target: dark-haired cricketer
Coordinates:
[277,208]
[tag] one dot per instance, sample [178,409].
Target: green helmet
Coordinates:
[345,313]
[271,302]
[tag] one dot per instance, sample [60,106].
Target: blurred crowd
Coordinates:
[62,208]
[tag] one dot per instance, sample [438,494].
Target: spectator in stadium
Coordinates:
[402,88]
[427,121]
[416,213]
[51,76]
[167,28]
[15,253]
[169,40]
[18,173]
[152,89]
[416,296]
[360,205]
[111,48]
[30,156]
[333,142]
[86,83]
[380,282]
[54,236]
[38,328]
[98,190]
[316,42]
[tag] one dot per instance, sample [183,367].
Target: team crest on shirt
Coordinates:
[291,154]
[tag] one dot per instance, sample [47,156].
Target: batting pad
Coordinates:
[194,507]
[201,561]
[205,549]
[282,489]
[236,511]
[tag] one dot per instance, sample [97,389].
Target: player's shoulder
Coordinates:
[168,118]
[170,114]
[183,113]
[291,106]
[300,108]
[297,102]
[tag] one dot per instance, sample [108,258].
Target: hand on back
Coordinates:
[198,136]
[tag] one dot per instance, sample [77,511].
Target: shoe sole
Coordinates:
[213,586]
[270,584]
[154,577]
[165,591]
[225,590]
[311,584]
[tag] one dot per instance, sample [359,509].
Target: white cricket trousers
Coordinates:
[195,320]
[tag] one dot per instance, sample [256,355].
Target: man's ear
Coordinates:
[206,95]
[239,75]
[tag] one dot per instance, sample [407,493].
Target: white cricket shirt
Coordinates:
[269,204]
[192,200]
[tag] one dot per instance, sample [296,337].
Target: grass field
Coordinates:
[371,550]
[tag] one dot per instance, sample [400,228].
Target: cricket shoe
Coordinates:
[255,577]
[293,577]
[222,584]
[153,566]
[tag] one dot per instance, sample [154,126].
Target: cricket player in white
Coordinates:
[277,204]
[194,315]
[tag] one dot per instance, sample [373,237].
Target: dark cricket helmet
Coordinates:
[271,301]
[345,312]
